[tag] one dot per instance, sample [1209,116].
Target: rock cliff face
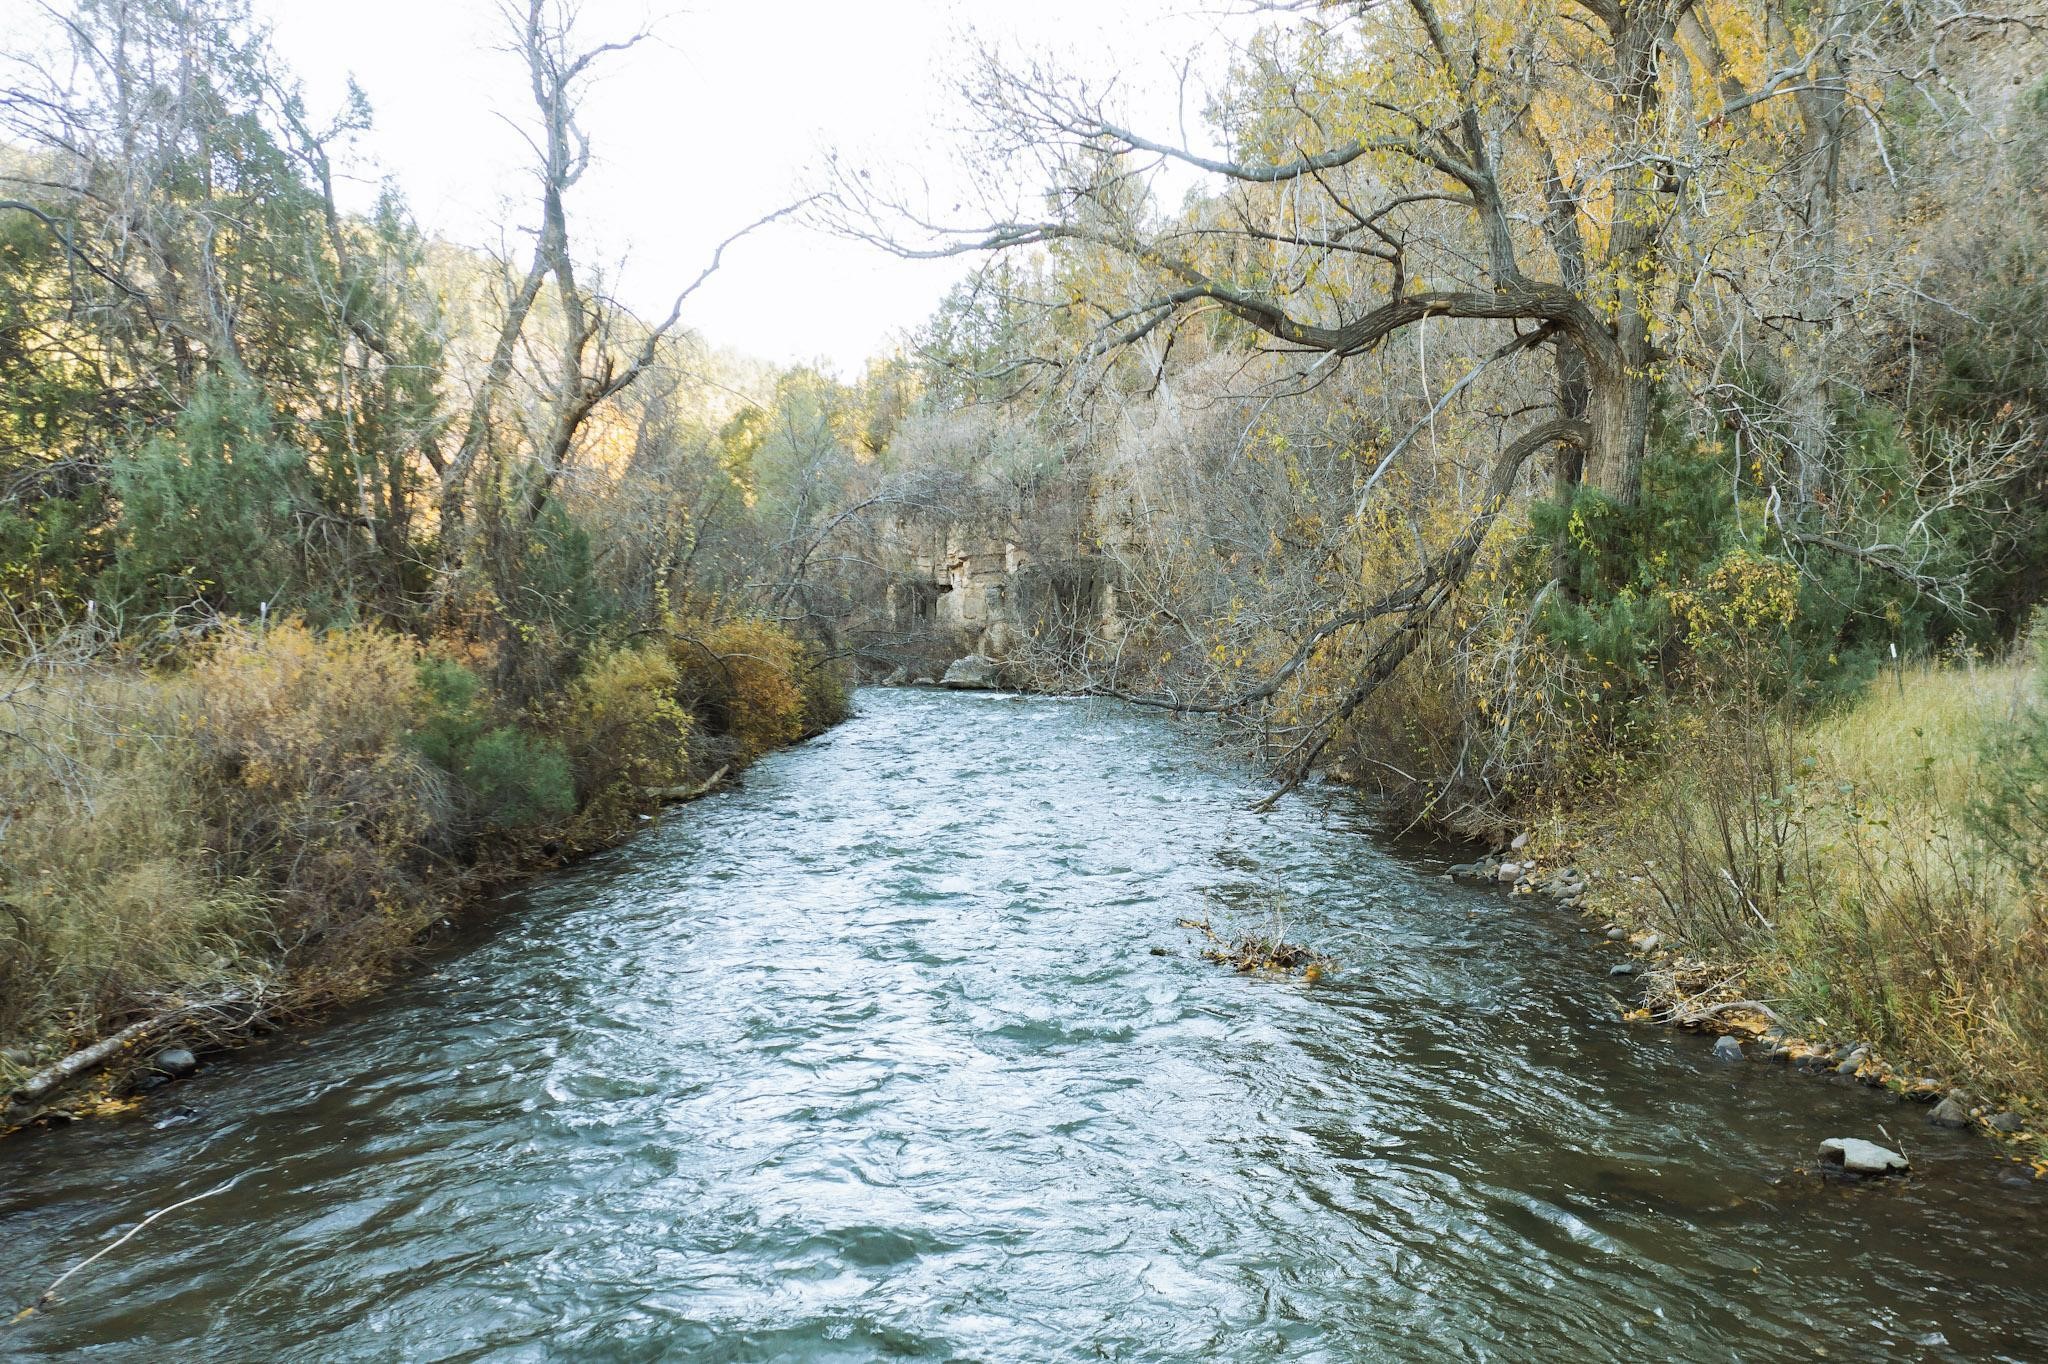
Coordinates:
[983,596]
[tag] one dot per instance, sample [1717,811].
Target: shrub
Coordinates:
[107,897]
[450,716]
[291,810]
[827,699]
[625,732]
[1722,838]
[742,678]
[207,513]
[507,778]
[516,780]
[1919,941]
[300,755]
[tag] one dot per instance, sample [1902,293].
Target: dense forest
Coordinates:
[1621,423]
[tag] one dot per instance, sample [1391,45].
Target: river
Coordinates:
[873,1057]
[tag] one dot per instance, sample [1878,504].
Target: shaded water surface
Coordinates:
[872,1059]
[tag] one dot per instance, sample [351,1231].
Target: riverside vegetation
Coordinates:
[1623,423]
[344,573]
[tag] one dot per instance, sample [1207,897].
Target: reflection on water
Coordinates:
[871,1059]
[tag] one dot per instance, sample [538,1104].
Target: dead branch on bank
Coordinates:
[86,1060]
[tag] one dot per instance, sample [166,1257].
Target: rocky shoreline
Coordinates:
[1681,991]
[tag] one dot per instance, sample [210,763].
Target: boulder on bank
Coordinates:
[1859,1157]
[1949,1113]
[176,1061]
[976,672]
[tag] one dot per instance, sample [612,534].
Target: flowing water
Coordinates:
[874,1058]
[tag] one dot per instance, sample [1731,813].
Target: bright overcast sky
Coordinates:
[713,125]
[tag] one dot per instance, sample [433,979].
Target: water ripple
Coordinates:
[873,1059]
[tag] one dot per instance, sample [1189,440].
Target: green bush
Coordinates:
[207,513]
[516,780]
[449,718]
[510,779]
[1632,580]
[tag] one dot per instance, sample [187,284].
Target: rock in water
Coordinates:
[1949,1113]
[1727,1049]
[976,672]
[1860,1157]
[176,1061]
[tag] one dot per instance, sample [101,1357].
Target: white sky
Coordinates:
[716,123]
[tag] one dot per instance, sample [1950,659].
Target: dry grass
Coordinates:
[1868,908]
[109,896]
[268,818]
[1917,732]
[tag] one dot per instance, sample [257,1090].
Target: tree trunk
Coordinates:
[1618,416]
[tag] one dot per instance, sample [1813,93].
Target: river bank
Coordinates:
[1657,983]
[1826,896]
[273,825]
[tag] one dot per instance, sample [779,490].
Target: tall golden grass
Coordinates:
[285,812]
[1836,862]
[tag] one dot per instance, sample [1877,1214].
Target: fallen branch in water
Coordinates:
[676,795]
[49,1295]
[1260,952]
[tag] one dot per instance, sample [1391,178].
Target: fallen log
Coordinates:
[86,1060]
[676,795]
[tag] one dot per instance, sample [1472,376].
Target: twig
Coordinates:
[49,1295]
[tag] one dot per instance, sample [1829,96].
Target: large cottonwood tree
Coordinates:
[1497,182]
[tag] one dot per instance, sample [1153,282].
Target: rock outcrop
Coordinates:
[976,672]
